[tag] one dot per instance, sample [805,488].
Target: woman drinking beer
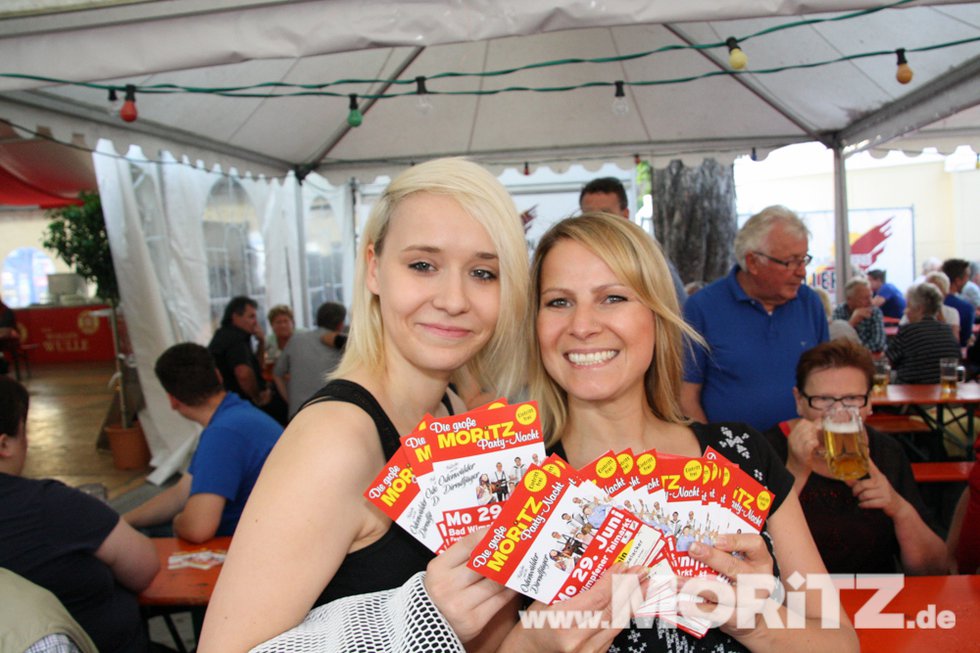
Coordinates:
[860,526]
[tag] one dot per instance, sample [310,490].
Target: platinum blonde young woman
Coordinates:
[441,288]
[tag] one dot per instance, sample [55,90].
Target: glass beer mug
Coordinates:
[845,443]
[883,372]
[950,373]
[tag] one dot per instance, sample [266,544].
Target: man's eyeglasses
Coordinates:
[822,402]
[790,263]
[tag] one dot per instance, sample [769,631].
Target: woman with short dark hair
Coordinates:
[859,526]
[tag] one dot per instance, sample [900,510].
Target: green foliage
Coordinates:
[644,179]
[78,235]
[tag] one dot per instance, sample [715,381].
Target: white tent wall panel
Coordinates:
[282,247]
[148,322]
[315,188]
[154,216]
[185,194]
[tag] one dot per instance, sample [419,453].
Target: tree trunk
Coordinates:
[694,218]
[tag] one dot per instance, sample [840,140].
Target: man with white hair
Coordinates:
[931,264]
[946,314]
[757,322]
[867,320]
[915,352]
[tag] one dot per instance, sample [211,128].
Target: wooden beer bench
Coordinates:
[889,423]
[948,472]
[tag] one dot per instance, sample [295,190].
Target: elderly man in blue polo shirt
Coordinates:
[756,321]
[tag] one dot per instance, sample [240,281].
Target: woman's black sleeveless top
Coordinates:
[397,556]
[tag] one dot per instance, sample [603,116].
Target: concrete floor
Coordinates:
[68,404]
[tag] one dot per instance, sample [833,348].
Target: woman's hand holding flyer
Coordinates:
[553,531]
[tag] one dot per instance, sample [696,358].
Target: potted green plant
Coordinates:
[77,233]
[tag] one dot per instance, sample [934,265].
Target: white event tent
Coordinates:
[510,83]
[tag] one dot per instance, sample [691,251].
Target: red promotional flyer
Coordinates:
[467,465]
[397,494]
[552,540]
[554,530]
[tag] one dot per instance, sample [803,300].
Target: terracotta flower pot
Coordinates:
[128,447]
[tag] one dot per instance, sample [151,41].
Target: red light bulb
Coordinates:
[128,110]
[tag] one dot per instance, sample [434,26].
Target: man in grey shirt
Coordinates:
[306,360]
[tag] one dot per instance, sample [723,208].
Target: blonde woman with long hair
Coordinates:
[440,288]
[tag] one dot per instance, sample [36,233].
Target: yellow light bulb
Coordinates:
[737,59]
[903,74]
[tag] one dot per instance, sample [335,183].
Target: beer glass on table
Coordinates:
[845,443]
[950,373]
[883,372]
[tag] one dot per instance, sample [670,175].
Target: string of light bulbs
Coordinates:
[737,60]
[236,90]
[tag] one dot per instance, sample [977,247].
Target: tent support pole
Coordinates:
[842,243]
[304,309]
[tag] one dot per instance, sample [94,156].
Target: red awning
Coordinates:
[39,172]
[14,192]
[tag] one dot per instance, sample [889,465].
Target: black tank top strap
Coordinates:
[355,393]
[559,449]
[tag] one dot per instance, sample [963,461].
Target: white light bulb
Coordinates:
[422,104]
[114,104]
[620,106]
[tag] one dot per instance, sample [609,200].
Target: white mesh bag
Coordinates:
[401,620]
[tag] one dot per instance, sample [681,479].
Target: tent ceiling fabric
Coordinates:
[220,43]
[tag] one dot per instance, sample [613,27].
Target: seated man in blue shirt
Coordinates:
[887,297]
[208,500]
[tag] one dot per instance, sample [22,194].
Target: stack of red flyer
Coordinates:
[561,528]
[451,476]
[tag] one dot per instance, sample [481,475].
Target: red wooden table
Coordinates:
[179,590]
[945,472]
[920,398]
[182,587]
[920,602]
